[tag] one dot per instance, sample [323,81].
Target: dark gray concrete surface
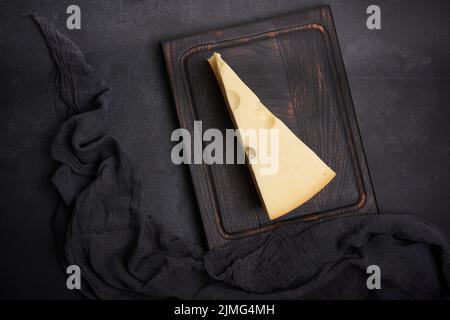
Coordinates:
[399,78]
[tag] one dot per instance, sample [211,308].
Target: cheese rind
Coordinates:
[301,173]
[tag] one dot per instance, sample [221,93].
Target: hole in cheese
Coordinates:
[251,153]
[233,100]
[265,120]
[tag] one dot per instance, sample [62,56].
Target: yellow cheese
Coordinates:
[301,173]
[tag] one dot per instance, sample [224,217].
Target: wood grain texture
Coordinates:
[293,64]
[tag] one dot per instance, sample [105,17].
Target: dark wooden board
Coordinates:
[293,64]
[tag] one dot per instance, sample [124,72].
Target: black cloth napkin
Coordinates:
[124,254]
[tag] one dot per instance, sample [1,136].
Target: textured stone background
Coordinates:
[399,78]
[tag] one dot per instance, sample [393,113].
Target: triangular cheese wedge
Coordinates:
[301,173]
